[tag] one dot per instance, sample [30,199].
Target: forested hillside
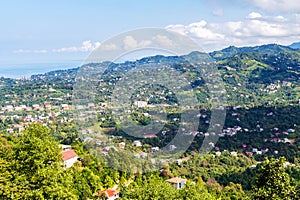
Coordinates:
[257,155]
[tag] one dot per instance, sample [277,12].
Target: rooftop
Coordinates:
[68,154]
[176,180]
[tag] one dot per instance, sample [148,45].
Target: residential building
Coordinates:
[69,158]
[108,194]
[177,182]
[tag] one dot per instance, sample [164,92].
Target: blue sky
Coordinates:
[35,31]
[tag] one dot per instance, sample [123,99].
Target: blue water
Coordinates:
[28,69]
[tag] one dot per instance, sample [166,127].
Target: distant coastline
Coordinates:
[28,69]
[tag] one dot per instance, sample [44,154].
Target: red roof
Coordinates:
[108,193]
[68,154]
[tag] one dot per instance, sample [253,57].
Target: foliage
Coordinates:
[32,168]
[273,182]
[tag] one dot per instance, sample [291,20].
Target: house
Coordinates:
[233,153]
[172,147]
[177,182]
[291,130]
[108,148]
[154,149]
[286,140]
[178,161]
[9,108]
[254,150]
[69,158]
[137,143]
[122,145]
[36,107]
[65,106]
[218,153]
[141,104]
[185,159]
[108,194]
[18,108]
[104,105]
[47,106]
[265,150]
[259,152]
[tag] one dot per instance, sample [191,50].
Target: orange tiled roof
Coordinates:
[68,154]
[108,193]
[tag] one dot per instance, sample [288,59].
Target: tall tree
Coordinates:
[273,182]
[34,169]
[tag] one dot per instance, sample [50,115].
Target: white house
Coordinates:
[141,104]
[69,158]
[233,153]
[108,194]
[154,149]
[177,182]
[218,153]
[137,143]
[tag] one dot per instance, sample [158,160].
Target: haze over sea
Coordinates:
[18,70]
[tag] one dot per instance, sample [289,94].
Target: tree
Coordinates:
[153,187]
[194,191]
[33,170]
[273,182]
[85,182]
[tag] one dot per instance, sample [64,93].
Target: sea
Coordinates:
[28,69]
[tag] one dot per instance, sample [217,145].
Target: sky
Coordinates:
[65,31]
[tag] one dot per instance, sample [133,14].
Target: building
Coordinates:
[154,149]
[141,104]
[69,158]
[108,194]
[218,153]
[137,143]
[47,106]
[122,145]
[65,106]
[177,182]
[233,153]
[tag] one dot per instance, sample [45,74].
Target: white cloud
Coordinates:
[263,28]
[163,40]
[197,29]
[131,43]
[276,5]
[86,46]
[254,15]
[255,29]
[30,51]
